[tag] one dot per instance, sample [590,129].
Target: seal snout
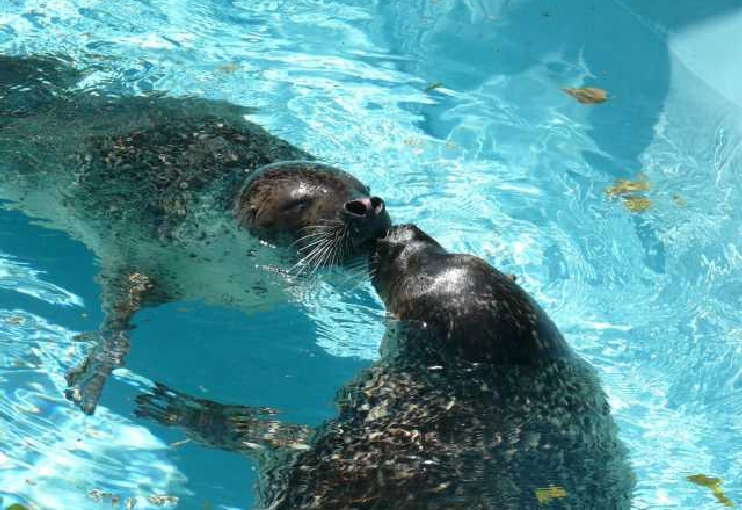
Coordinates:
[363,207]
[367,219]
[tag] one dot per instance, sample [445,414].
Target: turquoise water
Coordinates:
[454,113]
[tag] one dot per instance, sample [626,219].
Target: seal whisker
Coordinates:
[337,255]
[326,251]
[359,271]
[319,227]
[316,239]
[325,235]
[347,246]
[304,262]
[360,264]
[354,280]
[326,223]
[308,236]
[333,252]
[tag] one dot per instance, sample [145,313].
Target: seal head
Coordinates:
[326,212]
[469,310]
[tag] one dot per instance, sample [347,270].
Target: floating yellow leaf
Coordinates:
[433,86]
[679,201]
[547,494]
[451,145]
[624,186]
[715,485]
[414,142]
[704,481]
[588,95]
[15,320]
[228,68]
[163,499]
[637,204]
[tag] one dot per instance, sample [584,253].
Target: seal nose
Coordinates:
[362,207]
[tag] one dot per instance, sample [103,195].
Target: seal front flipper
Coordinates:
[234,428]
[123,297]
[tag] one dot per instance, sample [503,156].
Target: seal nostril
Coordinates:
[356,207]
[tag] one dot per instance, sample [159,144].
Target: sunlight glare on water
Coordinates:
[454,113]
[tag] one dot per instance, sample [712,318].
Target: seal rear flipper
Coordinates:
[85,383]
[123,297]
[241,429]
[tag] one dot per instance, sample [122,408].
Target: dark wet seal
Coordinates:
[170,194]
[477,402]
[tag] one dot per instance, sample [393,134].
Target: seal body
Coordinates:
[477,402]
[178,198]
[166,186]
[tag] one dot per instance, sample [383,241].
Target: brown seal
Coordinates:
[477,403]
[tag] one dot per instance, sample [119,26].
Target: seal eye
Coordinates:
[296,204]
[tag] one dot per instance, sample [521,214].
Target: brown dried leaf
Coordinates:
[414,142]
[588,95]
[624,186]
[228,68]
[637,204]
[679,201]
[546,495]
[433,86]
[715,485]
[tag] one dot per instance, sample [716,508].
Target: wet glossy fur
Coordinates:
[477,403]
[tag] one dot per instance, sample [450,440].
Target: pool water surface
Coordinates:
[454,112]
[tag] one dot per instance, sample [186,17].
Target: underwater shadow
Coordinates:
[620,46]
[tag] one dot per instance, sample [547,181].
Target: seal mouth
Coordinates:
[321,245]
[379,253]
[367,220]
[324,213]
[364,207]
[336,242]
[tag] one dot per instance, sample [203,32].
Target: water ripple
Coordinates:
[492,158]
[50,454]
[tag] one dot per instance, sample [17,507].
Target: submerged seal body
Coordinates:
[477,403]
[178,198]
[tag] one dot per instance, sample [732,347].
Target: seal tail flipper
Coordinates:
[234,428]
[123,297]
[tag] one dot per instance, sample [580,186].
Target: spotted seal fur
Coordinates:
[179,198]
[477,403]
